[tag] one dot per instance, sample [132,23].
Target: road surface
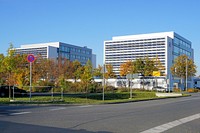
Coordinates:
[174,115]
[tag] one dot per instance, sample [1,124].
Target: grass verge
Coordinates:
[83,98]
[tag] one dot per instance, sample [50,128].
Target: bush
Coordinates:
[92,87]
[177,90]
[192,90]
[75,87]
[110,89]
[123,89]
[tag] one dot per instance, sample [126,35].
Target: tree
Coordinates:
[87,73]
[2,76]
[98,71]
[159,66]
[139,66]
[126,68]
[149,67]
[182,64]
[87,76]
[77,70]
[22,71]
[145,67]
[9,66]
[109,72]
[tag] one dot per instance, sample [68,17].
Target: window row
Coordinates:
[72,56]
[120,50]
[136,44]
[139,40]
[78,50]
[180,42]
[180,51]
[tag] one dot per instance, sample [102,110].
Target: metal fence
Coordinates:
[35,94]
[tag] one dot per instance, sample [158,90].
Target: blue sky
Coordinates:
[90,22]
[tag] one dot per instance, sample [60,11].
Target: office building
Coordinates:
[54,50]
[165,45]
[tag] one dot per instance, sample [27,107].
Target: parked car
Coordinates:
[4,91]
[159,88]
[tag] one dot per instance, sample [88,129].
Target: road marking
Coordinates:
[20,113]
[55,109]
[85,106]
[172,124]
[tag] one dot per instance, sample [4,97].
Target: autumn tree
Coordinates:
[87,75]
[67,68]
[159,66]
[139,66]
[77,70]
[183,66]
[38,70]
[109,71]
[9,67]
[2,76]
[149,67]
[126,68]
[22,71]
[98,71]
[63,70]
[145,67]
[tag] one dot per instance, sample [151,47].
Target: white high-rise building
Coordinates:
[165,45]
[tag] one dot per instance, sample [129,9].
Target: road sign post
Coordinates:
[30,59]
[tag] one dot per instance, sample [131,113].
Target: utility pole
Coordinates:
[186,74]
[103,80]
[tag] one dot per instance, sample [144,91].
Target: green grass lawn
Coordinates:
[90,98]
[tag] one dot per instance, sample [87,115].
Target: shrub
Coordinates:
[110,89]
[177,90]
[122,89]
[192,90]
[76,87]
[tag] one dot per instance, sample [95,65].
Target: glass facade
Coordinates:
[181,47]
[72,53]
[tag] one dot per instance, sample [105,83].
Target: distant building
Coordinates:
[54,50]
[165,45]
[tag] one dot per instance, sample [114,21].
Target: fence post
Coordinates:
[52,99]
[62,94]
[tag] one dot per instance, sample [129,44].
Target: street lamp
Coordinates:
[186,74]
[103,83]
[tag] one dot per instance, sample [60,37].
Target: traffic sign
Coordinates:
[31,58]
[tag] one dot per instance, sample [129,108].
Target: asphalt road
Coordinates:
[174,115]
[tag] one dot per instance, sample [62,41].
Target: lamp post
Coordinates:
[131,91]
[103,80]
[186,74]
